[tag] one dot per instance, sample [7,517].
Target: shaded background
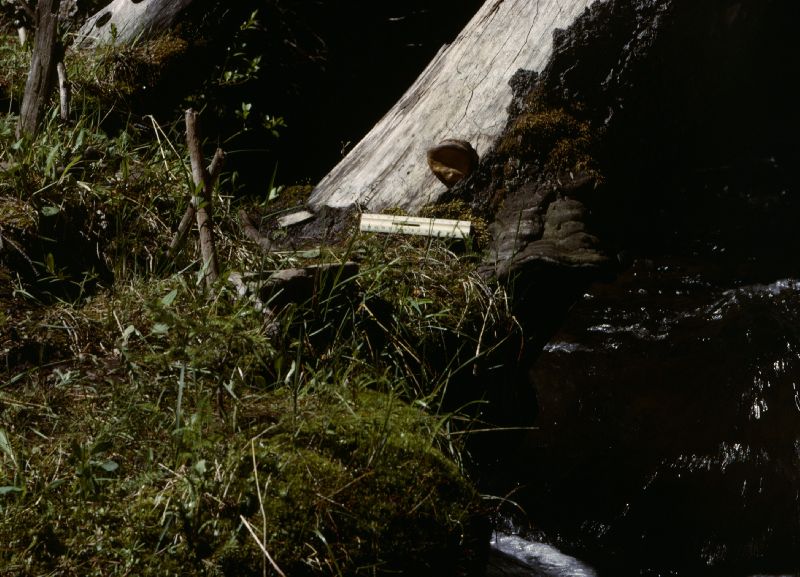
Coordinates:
[332,69]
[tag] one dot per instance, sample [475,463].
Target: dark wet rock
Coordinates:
[654,452]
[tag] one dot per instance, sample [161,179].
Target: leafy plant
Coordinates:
[91,470]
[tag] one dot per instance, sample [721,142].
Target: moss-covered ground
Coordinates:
[151,425]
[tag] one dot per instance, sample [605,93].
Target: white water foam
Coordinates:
[543,560]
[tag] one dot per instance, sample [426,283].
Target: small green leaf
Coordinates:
[159,329]
[109,466]
[129,330]
[169,298]
[9,489]
[5,447]
[200,467]
[56,484]
[50,210]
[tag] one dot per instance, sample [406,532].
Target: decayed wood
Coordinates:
[22,31]
[202,182]
[251,231]
[124,21]
[462,94]
[190,214]
[64,90]
[43,66]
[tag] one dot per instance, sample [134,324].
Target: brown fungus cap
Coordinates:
[452,160]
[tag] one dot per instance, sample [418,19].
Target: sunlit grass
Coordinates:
[152,425]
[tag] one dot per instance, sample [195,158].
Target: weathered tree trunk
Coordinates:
[43,67]
[124,21]
[462,94]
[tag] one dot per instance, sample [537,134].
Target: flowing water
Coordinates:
[668,402]
[668,438]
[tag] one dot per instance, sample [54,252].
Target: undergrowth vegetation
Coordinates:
[150,425]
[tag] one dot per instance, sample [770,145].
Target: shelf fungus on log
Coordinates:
[452,161]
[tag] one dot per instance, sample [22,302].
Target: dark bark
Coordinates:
[190,214]
[46,54]
[203,185]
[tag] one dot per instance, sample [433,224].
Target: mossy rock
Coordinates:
[352,485]
[326,487]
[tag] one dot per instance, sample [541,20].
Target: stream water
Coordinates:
[668,424]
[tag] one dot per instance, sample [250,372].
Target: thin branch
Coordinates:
[202,180]
[262,547]
[214,170]
[251,231]
[64,90]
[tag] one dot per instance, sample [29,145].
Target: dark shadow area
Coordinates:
[665,400]
[333,69]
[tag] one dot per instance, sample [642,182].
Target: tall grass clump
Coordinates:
[150,425]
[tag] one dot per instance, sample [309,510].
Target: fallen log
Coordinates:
[123,21]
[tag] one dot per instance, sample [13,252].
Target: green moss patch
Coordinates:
[552,137]
[325,486]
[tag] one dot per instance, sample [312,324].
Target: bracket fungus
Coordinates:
[452,160]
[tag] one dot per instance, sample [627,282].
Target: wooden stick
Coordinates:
[251,231]
[394,224]
[189,215]
[64,90]
[202,181]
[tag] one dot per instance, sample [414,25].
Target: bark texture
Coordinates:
[124,21]
[203,184]
[462,94]
[43,67]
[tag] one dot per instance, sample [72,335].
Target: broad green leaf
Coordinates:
[159,329]
[169,298]
[109,466]
[5,446]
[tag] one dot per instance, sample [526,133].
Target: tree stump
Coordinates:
[43,67]
[124,21]
[462,94]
